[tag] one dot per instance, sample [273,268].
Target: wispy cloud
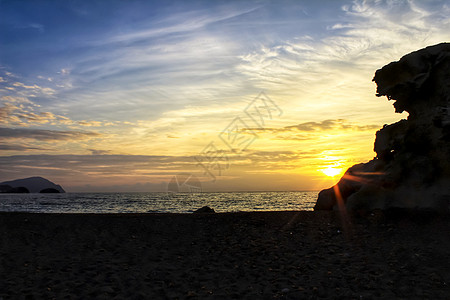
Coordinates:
[21,111]
[16,147]
[35,89]
[181,22]
[40,118]
[45,135]
[99,152]
[15,100]
[375,33]
[325,125]
[34,26]
[7,115]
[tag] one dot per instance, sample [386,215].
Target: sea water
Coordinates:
[157,202]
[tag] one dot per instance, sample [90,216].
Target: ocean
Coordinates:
[156,202]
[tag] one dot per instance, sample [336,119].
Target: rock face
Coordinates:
[412,167]
[33,184]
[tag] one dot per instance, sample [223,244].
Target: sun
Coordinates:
[331,171]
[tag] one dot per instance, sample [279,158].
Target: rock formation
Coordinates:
[33,184]
[16,190]
[412,167]
[204,210]
[5,188]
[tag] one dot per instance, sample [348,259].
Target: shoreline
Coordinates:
[259,255]
[159,203]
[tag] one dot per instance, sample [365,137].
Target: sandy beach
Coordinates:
[265,255]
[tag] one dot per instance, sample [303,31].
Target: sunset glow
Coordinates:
[122,97]
[331,171]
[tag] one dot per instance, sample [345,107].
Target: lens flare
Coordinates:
[331,171]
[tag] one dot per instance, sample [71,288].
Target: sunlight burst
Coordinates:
[331,171]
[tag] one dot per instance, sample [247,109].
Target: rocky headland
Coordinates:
[30,185]
[411,169]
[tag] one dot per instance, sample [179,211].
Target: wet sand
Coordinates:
[266,255]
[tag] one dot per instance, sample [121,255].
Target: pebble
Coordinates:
[191,294]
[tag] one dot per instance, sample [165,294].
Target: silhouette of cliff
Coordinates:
[412,167]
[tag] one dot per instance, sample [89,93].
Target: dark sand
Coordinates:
[286,255]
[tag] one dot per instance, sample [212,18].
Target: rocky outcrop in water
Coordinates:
[204,210]
[412,167]
[13,190]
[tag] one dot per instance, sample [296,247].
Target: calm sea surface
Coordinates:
[156,202]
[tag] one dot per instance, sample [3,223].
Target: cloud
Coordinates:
[16,99]
[340,26]
[99,165]
[35,88]
[90,123]
[15,147]
[170,61]
[7,114]
[20,111]
[377,32]
[45,78]
[99,152]
[39,27]
[64,71]
[45,135]
[64,120]
[140,166]
[339,124]
[178,23]
[274,158]
[325,125]
[39,118]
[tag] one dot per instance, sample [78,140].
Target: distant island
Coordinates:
[30,185]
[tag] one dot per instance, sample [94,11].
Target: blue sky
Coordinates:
[130,47]
[156,78]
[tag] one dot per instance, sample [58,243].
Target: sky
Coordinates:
[242,95]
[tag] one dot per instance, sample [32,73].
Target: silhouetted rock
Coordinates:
[5,188]
[20,189]
[412,166]
[204,210]
[49,191]
[9,189]
[34,184]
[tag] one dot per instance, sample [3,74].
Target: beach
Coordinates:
[246,255]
